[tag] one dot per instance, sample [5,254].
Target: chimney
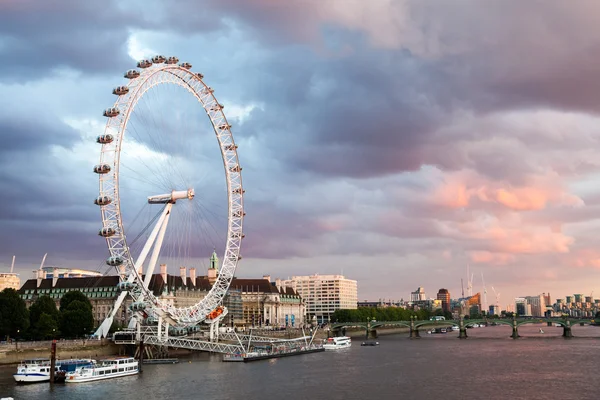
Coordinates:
[163,272]
[267,277]
[40,276]
[278,283]
[54,276]
[183,275]
[193,276]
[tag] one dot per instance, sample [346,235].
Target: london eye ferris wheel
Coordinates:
[157,193]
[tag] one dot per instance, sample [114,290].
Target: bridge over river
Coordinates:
[415,325]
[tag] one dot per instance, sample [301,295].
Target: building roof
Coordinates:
[158,285]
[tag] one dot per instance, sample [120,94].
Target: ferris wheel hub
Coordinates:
[172,197]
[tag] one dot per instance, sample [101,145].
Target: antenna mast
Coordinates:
[12,266]
[462,285]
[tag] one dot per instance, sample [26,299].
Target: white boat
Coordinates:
[105,369]
[38,369]
[33,371]
[336,343]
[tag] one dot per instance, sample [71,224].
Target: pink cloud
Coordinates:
[459,190]
[487,257]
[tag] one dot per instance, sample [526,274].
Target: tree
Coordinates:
[77,319]
[44,305]
[47,327]
[14,316]
[75,295]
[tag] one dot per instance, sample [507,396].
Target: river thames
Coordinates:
[488,365]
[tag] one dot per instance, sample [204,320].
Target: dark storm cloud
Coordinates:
[38,37]
[372,103]
[20,133]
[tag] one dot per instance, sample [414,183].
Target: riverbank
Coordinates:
[13,353]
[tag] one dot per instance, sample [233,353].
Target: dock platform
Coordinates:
[161,361]
[257,356]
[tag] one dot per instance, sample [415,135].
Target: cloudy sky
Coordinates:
[395,142]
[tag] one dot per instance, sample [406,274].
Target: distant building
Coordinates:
[444,296]
[470,305]
[324,294]
[547,299]
[55,272]
[418,295]
[10,281]
[538,305]
[494,310]
[522,307]
[265,303]
[368,304]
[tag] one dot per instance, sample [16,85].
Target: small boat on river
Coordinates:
[370,343]
[337,343]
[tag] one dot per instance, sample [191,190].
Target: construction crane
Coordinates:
[469,283]
[497,297]
[484,294]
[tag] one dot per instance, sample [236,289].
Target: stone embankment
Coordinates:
[12,353]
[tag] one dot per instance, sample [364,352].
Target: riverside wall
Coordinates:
[13,353]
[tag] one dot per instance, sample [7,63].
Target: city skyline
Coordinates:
[391,142]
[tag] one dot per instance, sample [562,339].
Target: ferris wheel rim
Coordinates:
[181,75]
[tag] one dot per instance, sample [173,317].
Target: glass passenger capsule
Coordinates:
[138,306]
[132,74]
[106,232]
[114,261]
[111,112]
[124,286]
[144,64]
[105,139]
[102,169]
[121,90]
[102,200]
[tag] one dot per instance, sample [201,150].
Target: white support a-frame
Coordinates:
[159,230]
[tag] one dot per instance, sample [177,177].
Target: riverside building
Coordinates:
[324,294]
[250,302]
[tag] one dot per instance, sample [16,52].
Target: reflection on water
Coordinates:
[488,365]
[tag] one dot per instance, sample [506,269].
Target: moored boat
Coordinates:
[337,343]
[105,369]
[38,369]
